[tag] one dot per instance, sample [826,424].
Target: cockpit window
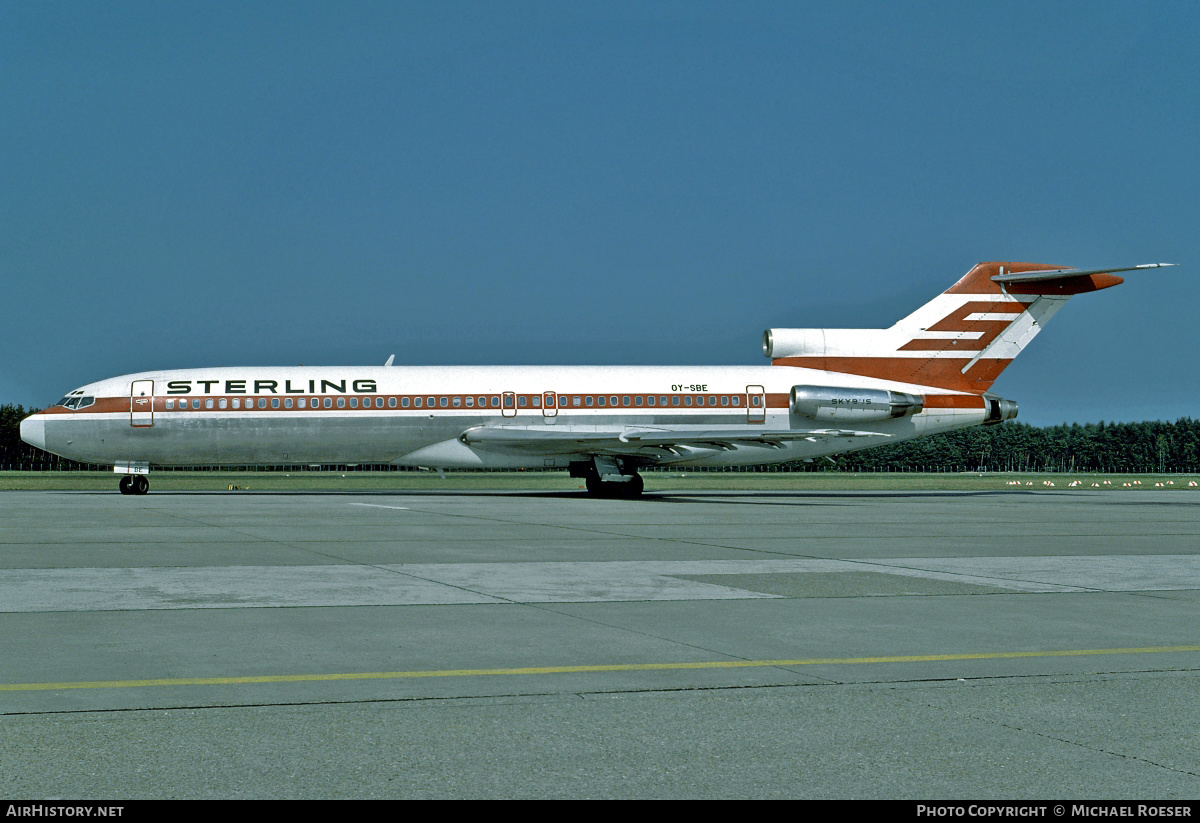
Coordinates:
[76,400]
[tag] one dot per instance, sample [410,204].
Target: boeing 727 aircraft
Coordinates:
[826,391]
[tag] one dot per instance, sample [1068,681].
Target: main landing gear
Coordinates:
[627,490]
[135,484]
[606,477]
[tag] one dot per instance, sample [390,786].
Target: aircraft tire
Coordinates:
[126,484]
[141,484]
[628,490]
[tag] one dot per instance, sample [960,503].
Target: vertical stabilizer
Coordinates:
[961,340]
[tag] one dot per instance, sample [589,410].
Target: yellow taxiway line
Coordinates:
[606,667]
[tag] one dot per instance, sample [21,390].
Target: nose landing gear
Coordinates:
[135,484]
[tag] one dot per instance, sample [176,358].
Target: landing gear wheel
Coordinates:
[626,490]
[134,484]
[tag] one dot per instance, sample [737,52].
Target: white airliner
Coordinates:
[826,391]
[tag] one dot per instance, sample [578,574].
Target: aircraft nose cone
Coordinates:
[33,431]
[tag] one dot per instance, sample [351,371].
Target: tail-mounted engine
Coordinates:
[862,405]
[999,409]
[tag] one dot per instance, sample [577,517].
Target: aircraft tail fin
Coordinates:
[961,340]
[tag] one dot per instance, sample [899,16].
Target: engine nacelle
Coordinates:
[999,409]
[778,343]
[862,405]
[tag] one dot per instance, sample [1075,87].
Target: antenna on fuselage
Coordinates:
[390,359]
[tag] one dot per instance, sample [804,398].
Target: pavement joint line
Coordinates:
[581,669]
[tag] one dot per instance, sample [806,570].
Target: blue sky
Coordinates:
[200,184]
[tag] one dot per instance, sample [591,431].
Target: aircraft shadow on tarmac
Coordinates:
[733,497]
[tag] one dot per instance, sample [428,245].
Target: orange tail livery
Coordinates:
[961,340]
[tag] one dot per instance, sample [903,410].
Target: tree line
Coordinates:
[1152,446]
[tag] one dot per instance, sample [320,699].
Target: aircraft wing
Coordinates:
[632,441]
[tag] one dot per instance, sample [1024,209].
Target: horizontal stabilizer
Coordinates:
[1059,274]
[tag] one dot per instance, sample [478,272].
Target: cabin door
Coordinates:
[141,404]
[756,404]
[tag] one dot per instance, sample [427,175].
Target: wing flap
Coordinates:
[632,441]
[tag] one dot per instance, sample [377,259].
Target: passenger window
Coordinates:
[537,401]
[600,400]
[574,401]
[274,402]
[329,402]
[222,403]
[508,401]
[300,403]
[637,400]
[495,402]
[724,400]
[353,403]
[208,404]
[589,400]
[341,402]
[417,401]
[522,401]
[432,402]
[287,402]
[612,401]
[662,400]
[237,404]
[443,402]
[392,402]
[650,400]
[170,403]
[712,400]
[687,401]
[737,401]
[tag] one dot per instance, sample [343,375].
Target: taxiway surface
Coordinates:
[817,644]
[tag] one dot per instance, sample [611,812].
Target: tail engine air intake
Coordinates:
[862,405]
